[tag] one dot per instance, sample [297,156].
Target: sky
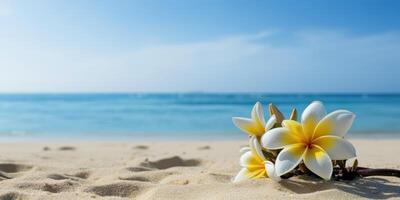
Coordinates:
[341,46]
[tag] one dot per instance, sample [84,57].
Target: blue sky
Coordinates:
[209,46]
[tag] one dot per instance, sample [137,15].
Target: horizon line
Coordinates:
[199,92]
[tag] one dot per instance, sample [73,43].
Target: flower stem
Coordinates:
[340,173]
[365,172]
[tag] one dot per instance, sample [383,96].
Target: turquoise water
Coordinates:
[194,115]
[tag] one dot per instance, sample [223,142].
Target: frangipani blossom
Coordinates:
[256,124]
[317,140]
[254,164]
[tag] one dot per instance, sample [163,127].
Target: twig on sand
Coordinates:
[350,173]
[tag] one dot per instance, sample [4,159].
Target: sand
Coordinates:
[170,170]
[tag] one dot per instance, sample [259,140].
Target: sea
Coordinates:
[175,116]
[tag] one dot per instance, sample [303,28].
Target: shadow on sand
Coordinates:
[371,187]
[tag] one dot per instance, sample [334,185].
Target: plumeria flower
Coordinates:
[317,140]
[256,125]
[254,164]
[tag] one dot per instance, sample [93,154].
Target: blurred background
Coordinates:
[181,69]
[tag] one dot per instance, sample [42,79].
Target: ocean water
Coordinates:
[174,116]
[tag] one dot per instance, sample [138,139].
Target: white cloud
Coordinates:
[307,61]
[319,61]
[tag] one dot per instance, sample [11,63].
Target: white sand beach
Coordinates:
[171,170]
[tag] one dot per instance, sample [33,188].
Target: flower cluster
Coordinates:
[281,147]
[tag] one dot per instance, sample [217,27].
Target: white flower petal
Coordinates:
[270,123]
[289,158]
[319,162]
[246,159]
[277,138]
[251,160]
[257,114]
[242,175]
[270,167]
[251,173]
[256,147]
[311,116]
[296,129]
[335,123]
[336,147]
[248,126]
[244,150]
[242,123]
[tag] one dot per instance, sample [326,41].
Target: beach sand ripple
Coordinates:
[171,170]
